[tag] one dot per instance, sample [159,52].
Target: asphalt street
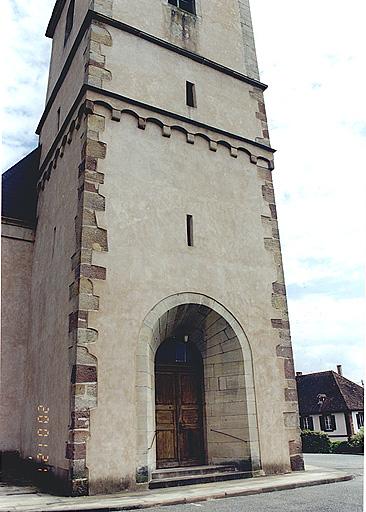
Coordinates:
[337,497]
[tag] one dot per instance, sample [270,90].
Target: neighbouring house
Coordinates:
[330,403]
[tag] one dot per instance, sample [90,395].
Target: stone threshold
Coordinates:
[13,500]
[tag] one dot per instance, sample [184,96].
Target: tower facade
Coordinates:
[158,332]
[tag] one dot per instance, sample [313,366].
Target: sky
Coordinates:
[312,56]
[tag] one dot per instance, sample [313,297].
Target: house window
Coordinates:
[306,423]
[360,419]
[327,423]
[69,20]
[185,5]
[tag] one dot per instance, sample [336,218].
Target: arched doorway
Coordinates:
[179,404]
[229,406]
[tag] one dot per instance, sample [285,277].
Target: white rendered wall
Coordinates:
[340,433]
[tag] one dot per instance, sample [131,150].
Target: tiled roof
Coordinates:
[19,190]
[328,391]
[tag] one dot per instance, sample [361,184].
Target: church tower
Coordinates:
[158,333]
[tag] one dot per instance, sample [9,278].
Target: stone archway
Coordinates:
[230,422]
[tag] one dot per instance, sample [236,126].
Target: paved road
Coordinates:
[338,497]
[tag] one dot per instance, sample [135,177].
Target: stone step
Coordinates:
[192,470]
[199,479]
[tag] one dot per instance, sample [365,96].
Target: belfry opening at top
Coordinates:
[185,5]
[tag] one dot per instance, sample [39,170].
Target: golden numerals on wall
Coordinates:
[42,433]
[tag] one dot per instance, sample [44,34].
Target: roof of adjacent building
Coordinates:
[19,190]
[328,391]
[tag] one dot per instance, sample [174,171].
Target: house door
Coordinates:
[178,406]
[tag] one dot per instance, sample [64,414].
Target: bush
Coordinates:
[334,446]
[356,441]
[340,447]
[315,442]
[353,446]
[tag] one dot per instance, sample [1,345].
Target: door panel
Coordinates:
[166,445]
[189,389]
[190,447]
[166,423]
[165,388]
[190,435]
[189,416]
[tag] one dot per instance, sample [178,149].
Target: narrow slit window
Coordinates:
[69,20]
[58,118]
[190,230]
[185,5]
[191,94]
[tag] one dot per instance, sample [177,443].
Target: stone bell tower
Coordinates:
[156,224]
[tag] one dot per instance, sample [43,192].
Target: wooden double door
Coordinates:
[179,431]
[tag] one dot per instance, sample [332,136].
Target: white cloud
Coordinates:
[24,84]
[312,56]
[327,332]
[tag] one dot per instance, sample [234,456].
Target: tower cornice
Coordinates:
[81,98]
[90,96]
[95,16]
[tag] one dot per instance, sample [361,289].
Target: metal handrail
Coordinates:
[152,442]
[229,435]
[212,430]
